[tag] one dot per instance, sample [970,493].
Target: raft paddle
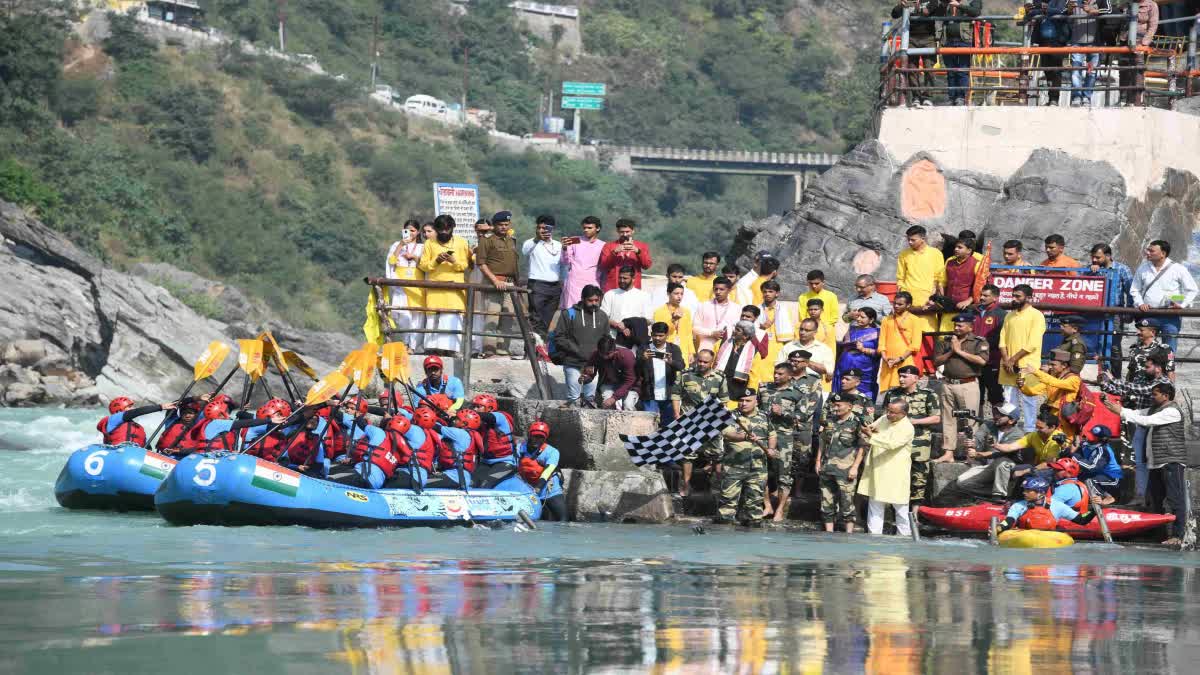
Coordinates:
[210,359]
[1095,504]
[393,366]
[294,360]
[273,353]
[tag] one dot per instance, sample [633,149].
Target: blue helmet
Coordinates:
[1036,483]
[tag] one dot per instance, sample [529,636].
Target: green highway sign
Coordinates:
[584,88]
[582,103]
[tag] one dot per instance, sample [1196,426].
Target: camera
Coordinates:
[966,415]
[1059,438]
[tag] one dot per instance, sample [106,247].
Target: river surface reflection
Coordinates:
[875,613]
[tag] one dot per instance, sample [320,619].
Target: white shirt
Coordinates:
[821,354]
[660,379]
[545,259]
[621,305]
[1176,280]
[690,302]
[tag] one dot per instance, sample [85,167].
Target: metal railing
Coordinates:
[1008,73]
[467,333]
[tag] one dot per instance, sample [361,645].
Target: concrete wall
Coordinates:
[540,18]
[1139,142]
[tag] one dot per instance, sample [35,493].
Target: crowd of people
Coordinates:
[1049,23]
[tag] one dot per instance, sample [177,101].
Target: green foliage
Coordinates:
[31,45]
[126,41]
[77,99]
[181,119]
[19,186]
[313,97]
[201,303]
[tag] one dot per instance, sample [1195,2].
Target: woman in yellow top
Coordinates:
[1057,383]
[679,319]
[899,340]
[445,258]
[780,323]
[402,261]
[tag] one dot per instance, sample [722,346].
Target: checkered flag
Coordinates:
[684,435]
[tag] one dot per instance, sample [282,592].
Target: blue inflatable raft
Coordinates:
[233,489]
[122,477]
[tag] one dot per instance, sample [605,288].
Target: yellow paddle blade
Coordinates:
[393,362]
[271,350]
[364,367]
[295,361]
[250,357]
[326,388]
[213,356]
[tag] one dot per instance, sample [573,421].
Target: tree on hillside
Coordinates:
[31,49]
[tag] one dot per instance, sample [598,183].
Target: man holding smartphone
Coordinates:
[545,274]
[625,251]
[659,365]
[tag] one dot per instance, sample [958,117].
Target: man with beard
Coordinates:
[691,389]
[576,332]
[446,258]
[1021,347]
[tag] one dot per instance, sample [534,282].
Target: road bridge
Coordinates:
[787,173]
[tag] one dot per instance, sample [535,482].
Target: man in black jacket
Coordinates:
[576,332]
[658,366]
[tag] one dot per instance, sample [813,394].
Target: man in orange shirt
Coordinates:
[1012,256]
[1055,257]
[899,340]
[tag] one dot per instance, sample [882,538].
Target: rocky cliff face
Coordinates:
[75,332]
[852,219]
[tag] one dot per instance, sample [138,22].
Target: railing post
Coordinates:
[1139,59]
[1193,35]
[468,335]
[903,76]
[1023,78]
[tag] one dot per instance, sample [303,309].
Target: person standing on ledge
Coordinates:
[581,261]
[445,258]
[545,274]
[1161,283]
[960,34]
[885,476]
[701,284]
[499,262]
[625,251]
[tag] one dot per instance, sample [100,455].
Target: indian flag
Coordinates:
[275,478]
[157,466]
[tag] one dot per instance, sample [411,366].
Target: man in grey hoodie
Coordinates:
[575,333]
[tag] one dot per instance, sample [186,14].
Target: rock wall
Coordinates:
[75,332]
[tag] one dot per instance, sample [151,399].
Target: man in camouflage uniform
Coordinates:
[925,413]
[780,401]
[691,389]
[1072,342]
[803,378]
[860,403]
[838,461]
[749,444]
[1147,344]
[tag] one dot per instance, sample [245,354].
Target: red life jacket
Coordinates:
[391,454]
[497,444]
[1082,505]
[223,441]
[174,438]
[446,458]
[1038,518]
[303,448]
[126,432]
[530,470]
[428,450]
[335,440]
[269,448]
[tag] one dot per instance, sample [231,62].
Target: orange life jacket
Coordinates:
[1082,505]
[127,432]
[1038,518]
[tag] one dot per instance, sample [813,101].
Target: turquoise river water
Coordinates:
[111,593]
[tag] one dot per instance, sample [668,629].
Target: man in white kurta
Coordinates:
[885,478]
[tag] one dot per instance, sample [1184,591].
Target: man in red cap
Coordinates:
[438,382]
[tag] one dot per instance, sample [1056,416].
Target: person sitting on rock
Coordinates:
[993,478]
[1036,512]
[459,451]
[539,468]
[497,461]
[118,426]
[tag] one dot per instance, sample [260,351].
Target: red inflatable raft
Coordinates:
[977,518]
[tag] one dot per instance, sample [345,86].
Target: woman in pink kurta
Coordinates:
[581,258]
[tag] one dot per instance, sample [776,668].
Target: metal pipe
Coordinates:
[445,285]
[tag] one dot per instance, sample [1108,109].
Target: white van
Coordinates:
[425,105]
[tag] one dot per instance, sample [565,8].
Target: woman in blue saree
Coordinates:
[860,349]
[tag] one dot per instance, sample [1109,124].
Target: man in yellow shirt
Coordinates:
[1021,347]
[1042,440]
[1012,256]
[1057,383]
[701,284]
[816,311]
[817,291]
[446,258]
[748,288]
[921,270]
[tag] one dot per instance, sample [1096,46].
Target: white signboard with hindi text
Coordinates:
[461,202]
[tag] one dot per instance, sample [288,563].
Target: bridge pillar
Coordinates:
[783,192]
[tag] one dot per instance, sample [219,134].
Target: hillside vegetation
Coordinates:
[290,186]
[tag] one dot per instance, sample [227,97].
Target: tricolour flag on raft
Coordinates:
[157,466]
[680,437]
[275,478]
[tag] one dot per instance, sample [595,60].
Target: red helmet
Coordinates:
[216,410]
[442,401]
[425,418]
[399,424]
[384,398]
[118,404]
[359,403]
[539,428]
[222,398]
[433,361]
[1067,465]
[470,419]
[487,402]
[275,406]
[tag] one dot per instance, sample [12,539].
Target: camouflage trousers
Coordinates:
[779,470]
[920,482]
[837,499]
[742,488]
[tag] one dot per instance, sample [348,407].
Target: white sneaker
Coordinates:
[927,103]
